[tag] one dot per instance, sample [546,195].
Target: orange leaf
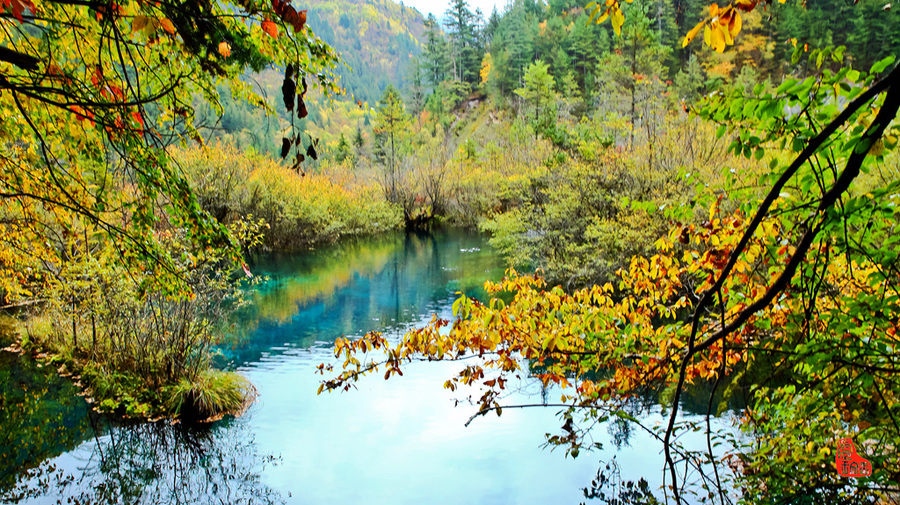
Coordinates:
[166,24]
[713,10]
[224,49]
[270,28]
[82,114]
[725,18]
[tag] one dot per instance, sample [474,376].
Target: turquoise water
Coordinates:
[401,441]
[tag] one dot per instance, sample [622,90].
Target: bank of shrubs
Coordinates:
[582,216]
[299,209]
[141,349]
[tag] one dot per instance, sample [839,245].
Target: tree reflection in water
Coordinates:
[611,489]
[154,463]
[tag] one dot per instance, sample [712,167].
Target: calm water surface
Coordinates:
[401,441]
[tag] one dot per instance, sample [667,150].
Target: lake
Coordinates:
[401,441]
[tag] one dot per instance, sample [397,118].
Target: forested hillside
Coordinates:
[377,42]
[376,39]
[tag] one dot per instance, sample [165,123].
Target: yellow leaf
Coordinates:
[603,17]
[718,39]
[693,33]
[617,19]
[726,35]
[735,26]
[707,35]
[139,22]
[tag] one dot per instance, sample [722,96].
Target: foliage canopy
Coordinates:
[93,95]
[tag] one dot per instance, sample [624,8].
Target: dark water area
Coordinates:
[402,441]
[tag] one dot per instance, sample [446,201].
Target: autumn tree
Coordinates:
[93,96]
[96,218]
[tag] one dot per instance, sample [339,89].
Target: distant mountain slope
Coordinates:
[376,39]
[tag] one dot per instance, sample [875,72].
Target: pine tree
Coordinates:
[391,121]
[465,50]
[538,90]
[435,60]
[342,150]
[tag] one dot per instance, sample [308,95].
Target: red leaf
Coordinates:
[301,15]
[97,77]
[17,7]
[82,114]
[138,119]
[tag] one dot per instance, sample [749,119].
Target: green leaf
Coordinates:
[621,414]
[879,67]
[785,86]
[838,54]
[795,57]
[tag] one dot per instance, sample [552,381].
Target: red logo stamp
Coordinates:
[850,464]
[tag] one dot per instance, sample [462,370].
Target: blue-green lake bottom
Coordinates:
[401,441]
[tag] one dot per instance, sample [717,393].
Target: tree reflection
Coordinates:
[610,488]
[41,416]
[155,463]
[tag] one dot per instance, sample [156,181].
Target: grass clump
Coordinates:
[209,395]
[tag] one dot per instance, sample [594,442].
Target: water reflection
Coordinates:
[153,463]
[40,416]
[354,287]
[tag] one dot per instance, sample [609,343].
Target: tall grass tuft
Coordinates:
[210,395]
